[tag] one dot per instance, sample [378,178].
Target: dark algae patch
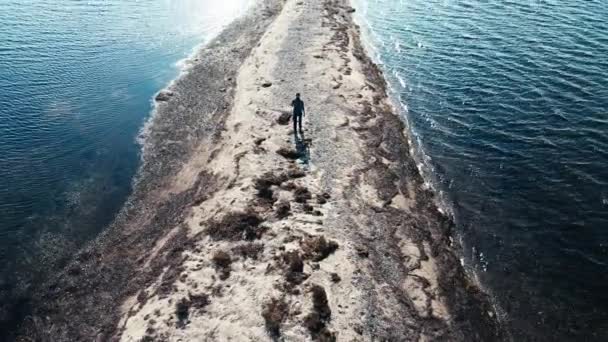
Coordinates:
[274,314]
[283,209]
[288,153]
[316,321]
[249,250]
[237,226]
[318,248]
[222,262]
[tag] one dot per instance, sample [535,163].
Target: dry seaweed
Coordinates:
[222,262]
[318,248]
[237,226]
[274,314]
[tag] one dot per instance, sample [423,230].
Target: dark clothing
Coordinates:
[297,121]
[298,106]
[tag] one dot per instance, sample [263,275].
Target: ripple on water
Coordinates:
[509,99]
[76,82]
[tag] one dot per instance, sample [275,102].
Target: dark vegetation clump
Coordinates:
[323,198]
[150,330]
[317,320]
[259,141]
[264,184]
[284,118]
[288,153]
[335,278]
[237,226]
[301,194]
[249,250]
[293,261]
[296,173]
[274,314]
[294,268]
[318,248]
[289,186]
[199,301]
[283,209]
[222,262]
[320,303]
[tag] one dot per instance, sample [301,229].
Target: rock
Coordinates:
[266,84]
[164,96]
[350,10]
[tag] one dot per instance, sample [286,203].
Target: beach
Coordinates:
[239,229]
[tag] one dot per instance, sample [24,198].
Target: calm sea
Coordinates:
[76,82]
[508,103]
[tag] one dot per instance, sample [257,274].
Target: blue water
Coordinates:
[508,103]
[76,82]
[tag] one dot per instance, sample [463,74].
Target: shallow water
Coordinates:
[507,102]
[76,82]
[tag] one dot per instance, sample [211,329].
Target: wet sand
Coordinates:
[239,230]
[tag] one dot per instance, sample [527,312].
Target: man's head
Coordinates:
[297,95]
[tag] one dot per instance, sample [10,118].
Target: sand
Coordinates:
[240,231]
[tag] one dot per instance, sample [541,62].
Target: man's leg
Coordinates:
[295,124]
[300,122]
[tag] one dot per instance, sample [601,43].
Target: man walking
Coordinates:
[298,113]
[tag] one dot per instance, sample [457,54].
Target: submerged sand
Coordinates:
[238,230]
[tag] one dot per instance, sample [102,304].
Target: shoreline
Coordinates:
[424,168]
[236,230]
[445,204]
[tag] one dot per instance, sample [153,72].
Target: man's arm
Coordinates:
[303,109]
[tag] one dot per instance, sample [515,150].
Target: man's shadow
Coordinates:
[302,147]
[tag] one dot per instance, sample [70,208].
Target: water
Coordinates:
[508,102]
[76,82]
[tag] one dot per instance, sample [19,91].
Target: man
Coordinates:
[298,113]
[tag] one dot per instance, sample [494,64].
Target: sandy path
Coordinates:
[332,236]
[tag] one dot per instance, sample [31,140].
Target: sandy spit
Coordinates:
[238,230]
